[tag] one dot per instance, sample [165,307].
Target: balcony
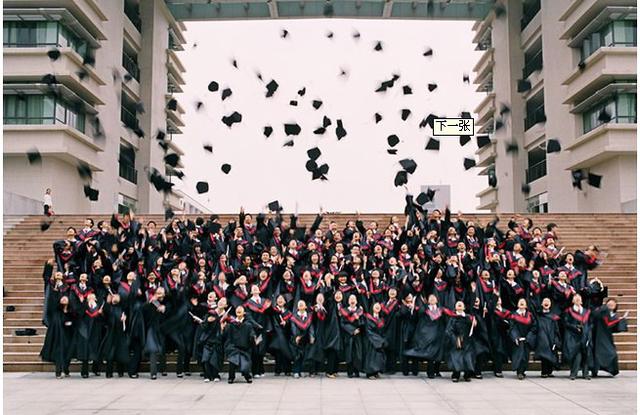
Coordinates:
[602,143]
[534,116]
[582,13]
[175,65]
[605,65]
[129,118]
[532,64]
[536,171]
[485,109]
[530,9]
[128,172]
[132,12]
[484,64]
[131,66]
[28,65]
[488,199]
[175,118]
[486,155]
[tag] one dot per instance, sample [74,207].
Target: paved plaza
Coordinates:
[41,393]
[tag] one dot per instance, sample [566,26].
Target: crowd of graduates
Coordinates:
[427,287]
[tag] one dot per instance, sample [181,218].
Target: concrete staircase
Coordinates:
[9,222]
[26,249]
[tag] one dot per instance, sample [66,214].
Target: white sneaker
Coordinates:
[296,375]
[207,380]
[215,380]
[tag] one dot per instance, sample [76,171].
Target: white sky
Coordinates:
[361,172]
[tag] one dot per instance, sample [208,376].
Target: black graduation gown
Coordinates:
[498,327]
[328,331]
[210,341]
[239,339]
[605,356]
[132,305]
[258,314]
[88,332]
[429,336]
[58,341]
[462,359]
[481,340]
[279,342]
[154,336]
[577,334]
[393,326]
[548,340]
[350,320]
[522,327]
[408,321]
[303,328]
[374,345]
[115,344]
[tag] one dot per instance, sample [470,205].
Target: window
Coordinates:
[621,108]
[536,163]
[41,109]
[130,64]
[128,113]
[126,204]
[532,63]
[132,11]
[616,33]
[538,204]
[127,163]
[40,34]
[535,113]
[530,9]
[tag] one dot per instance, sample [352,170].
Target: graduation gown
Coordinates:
[154,336]
[577,334]
[58,341]
[115,344]
[210,340]
[374,345]
[279,341]
[239,339]
[88,332]
[459,330]
[429,335]
[302,327]
[548,340]
[522,327]
[392,326]
[605,355]
[350,320]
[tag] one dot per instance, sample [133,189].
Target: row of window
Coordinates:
[40,34]
[621,108]
[615,33]
[41,109]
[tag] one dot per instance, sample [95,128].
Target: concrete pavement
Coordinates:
[41,393]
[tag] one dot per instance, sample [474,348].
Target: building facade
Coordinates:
[548,70]
[117,64]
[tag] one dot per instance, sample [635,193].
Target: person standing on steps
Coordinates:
[48,203]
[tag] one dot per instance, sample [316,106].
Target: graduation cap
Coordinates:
[226,93]
[49,79]
[428,121]
[400,179]
[553,146]
[84,171]
[82,74]
[504,109]
[498,124]
[409,165]
[44,226]
[492,179]
[377,117]
[316,103]
[314,153]
[33,155]
[89,60]
[168,214]
[213,86]
[319,130]
[483,140]
[10,308]
[208,148]
[406,90]
[356,35]
[428,52]
[577,176]
[267,131]
[179,174]
[288,144]
[199,105]
[214,227]
[604,116]
[393,140]
[272,86]
[292,129]
[234,63]
[302,91]
[426,197]
[526,189]
[582,65]
[274,206]
[229,120]
[226,168]
[340,131]
[469,163]
[464,139]
[594,180]
[512,147]
[293,103]
[523,85]
[160,135]
[465,114]
[392,151]
[405,114]
[432,144]
[378,46]
[159,181]
[172,159]
[53,54]
[202,187]
[139,107]
[330,35]
[311,165]
[172,105]
[284,33]
[432,86]
[343,72]
[388,84]
[465,78]
[91,193]
[25,332]
[326,121]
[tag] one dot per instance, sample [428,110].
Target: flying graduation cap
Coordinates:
[433,144]
[523,85]
[302,91]
[53,54]
[91,193]
[432,86]
[378,46]
[409,165]
[202,187]
[274,206]
[469,163]
[213,86]
[577,176]
[425,197]
[393,140]
[172,105]
[288,143]
[594,180]
[553,146]
[326,121]
[226,168]
[465,78]
[208,148]
[226,93]
[33,156]
[406,90]
[405,114]
[267,131]
[340,131]
[314,153]
[377,117]
[84,171]
[292,129]
[316,104]
[229,120]
[172,159]
[483,140]
[272,86]
[428,52]
[526,188]
[464,139]
[400,179]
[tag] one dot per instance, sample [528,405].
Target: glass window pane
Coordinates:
[48,107]
[9,103]
[60,113]
[607,35]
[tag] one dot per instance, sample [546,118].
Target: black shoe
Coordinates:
[587,377]
[230,381]
[478,376]
[455,380]
[120,375]
[187,373]
[544,376]
[164,373]
[551,375]
[248,379]
[356,375]
[431,376]
[467,379]
[154,377]
[414,373]
[179,375]
[84,376]
[438,375]
[520,376]
[405,373]
[109,375]
[572,377]
[96,373]
[134,376]
[350,375]
[499,374]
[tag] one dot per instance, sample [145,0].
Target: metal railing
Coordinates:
[128,172]
[537,171]
[129,118]
[131,66]
[535,116]
[532,64]
[529,10]
[133,13]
